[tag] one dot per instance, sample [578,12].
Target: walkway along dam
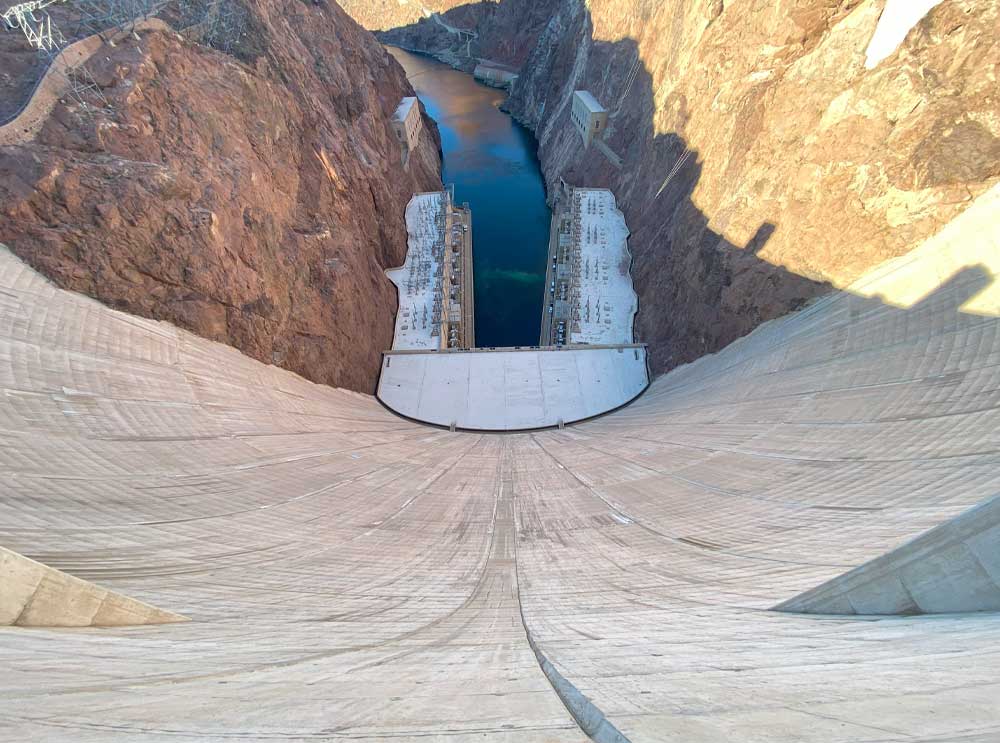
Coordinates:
[298,563]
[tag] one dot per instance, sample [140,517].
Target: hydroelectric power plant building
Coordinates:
[509,389]
[589,295]
[435,283]
[589,117]
[407,123]
[495,75]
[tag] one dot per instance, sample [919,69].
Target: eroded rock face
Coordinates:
[255,202]
[382,15]
[505,31]
[761,161]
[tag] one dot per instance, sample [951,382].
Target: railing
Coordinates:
[511,349]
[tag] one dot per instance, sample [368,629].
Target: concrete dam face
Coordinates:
[298,563]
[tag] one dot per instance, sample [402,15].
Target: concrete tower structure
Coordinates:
[407,123]
[589,117]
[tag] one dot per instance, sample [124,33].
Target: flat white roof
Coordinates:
[403,109]
[590,102]
[607,301]
[418,280]
[508,390]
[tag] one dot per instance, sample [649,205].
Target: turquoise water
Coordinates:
[492,161]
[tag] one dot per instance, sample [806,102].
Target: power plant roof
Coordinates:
[404,107]
[590,102]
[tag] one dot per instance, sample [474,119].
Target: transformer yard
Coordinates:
[589,297]
[436,297]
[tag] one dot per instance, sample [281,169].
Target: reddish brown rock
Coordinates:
[506,31]
[255,199]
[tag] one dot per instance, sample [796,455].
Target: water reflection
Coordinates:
[492,161]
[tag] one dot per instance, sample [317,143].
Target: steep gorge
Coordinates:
[761,160]
[254,198]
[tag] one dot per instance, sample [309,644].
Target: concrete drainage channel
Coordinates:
[587,714]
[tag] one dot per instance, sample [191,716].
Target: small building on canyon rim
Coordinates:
[589,116]
[406,122]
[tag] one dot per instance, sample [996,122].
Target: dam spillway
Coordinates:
[346,573]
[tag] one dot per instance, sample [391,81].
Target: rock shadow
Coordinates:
[698,290]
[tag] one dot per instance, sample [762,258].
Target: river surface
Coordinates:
[492,161]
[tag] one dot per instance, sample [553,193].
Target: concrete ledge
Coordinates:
[588,716]
[35,595]
[954,567]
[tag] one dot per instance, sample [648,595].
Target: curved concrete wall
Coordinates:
[511,389]
[351,574]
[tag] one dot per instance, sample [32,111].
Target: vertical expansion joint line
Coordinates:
[588,715]
[584,712]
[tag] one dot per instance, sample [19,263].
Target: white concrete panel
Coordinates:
[397,380]
[444,389]
[523,398]
[484,385]
[511,390]
[560,380]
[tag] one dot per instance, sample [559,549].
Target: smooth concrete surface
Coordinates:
[510,389]
[34,595]
[351,575]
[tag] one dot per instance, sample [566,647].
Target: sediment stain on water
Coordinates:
[493,163]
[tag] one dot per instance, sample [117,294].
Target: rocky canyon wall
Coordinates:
[760,155]
[505,31]
[383,15]
[253,197]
